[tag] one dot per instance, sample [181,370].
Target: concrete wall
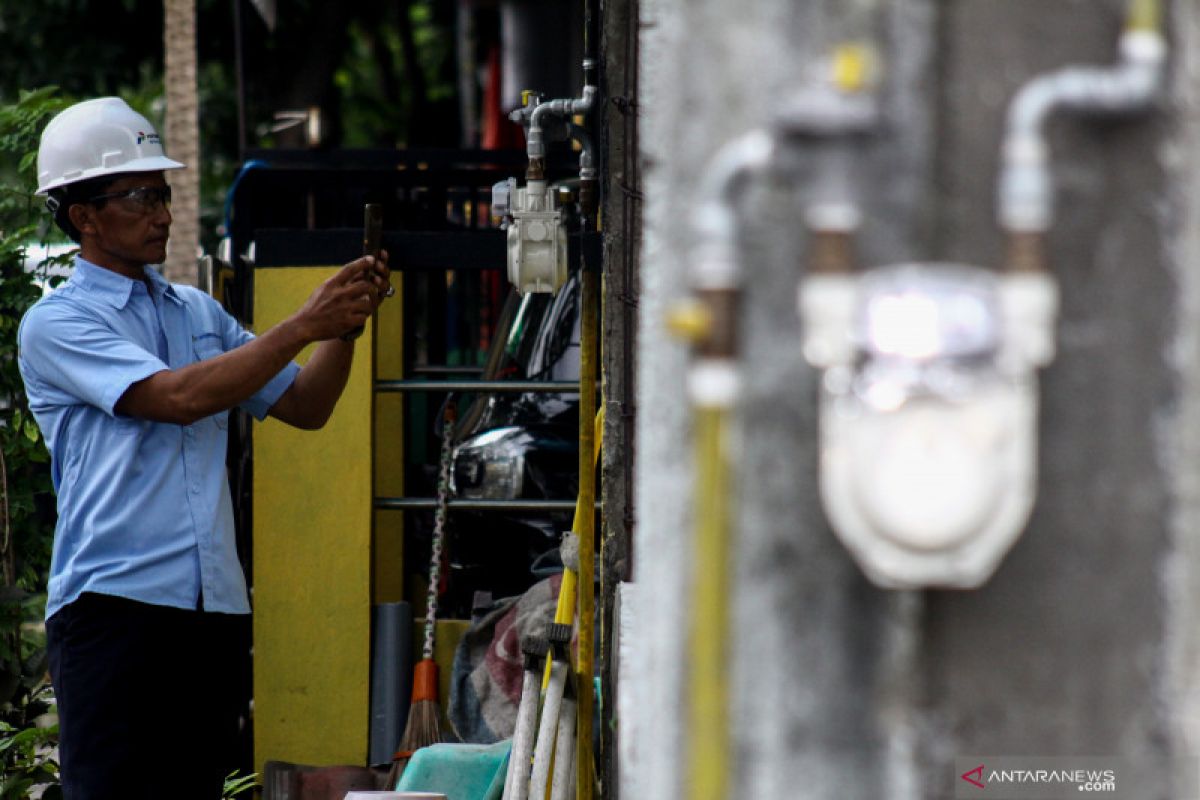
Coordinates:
[1083,643]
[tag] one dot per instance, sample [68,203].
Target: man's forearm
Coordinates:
[208,387]
[311,398]
[339,304]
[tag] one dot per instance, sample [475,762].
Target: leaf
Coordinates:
[31,431]
[15,787]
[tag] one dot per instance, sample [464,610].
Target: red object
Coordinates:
[497,132]
[425,681]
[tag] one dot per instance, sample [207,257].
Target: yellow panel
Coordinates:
[312,561]
[448,634]
[389,449]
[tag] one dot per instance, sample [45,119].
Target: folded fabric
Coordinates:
[485,683]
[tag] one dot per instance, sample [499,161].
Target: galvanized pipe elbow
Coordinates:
[1025,191]
[536,145]
[715,220]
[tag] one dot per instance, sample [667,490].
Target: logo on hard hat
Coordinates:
[150,137]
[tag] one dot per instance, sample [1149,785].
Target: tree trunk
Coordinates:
[183,138]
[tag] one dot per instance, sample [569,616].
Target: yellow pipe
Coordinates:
[1144,15]
[585,528]
[855,67]
[708,688]
[714,387]
[564,612]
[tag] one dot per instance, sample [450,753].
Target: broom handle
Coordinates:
[563,785]
[439,530]
[544,753]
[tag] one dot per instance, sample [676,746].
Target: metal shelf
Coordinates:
[419,385]
[430,504]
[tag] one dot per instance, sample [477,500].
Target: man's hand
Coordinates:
[346,300]
[184,395]
[339,305]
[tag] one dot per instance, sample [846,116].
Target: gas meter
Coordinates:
[537,235]
[928,414]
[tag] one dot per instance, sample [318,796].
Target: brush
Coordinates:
[424,726]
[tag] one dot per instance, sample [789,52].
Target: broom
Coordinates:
[424,726]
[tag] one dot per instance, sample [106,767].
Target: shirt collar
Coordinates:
[115,288]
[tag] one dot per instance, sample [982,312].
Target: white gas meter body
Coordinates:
[537,240]
[928,414]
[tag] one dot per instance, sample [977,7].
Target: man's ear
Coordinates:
[80,215]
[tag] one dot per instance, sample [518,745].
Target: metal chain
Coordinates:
[439,530]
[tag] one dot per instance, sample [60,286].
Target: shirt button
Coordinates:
[189,432]
[195,488]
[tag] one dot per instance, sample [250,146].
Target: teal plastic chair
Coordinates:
[459,771]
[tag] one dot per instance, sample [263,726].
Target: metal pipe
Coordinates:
[536,144]
[1025,187]
[716,220]
[714,385]
[436,369]
[564,611]
[588,363]
[587,157]
[430,503]
[417,385]
[835,119]
[709,771]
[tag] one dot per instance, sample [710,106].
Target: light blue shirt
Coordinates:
[144,510]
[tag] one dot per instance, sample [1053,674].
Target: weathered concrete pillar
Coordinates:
[1084,642]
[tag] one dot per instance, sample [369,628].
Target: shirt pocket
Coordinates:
[128,426]
[204,347]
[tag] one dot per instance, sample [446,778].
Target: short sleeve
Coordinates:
[233,335]
[77,356]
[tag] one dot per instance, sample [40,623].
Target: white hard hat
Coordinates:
[97,138]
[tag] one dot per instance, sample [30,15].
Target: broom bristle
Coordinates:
[424,726]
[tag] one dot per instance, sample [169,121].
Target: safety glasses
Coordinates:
[146,199]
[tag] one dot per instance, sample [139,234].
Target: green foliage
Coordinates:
[27,755]
[89,49]
[390,94]
[26,499]
[235,785]
[25,527]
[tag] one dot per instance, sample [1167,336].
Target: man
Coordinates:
[131,380]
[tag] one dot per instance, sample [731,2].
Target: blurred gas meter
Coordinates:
[537,235]
[928,414]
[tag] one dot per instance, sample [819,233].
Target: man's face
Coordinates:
[129,231]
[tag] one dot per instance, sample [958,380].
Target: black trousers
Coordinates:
[148,700]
